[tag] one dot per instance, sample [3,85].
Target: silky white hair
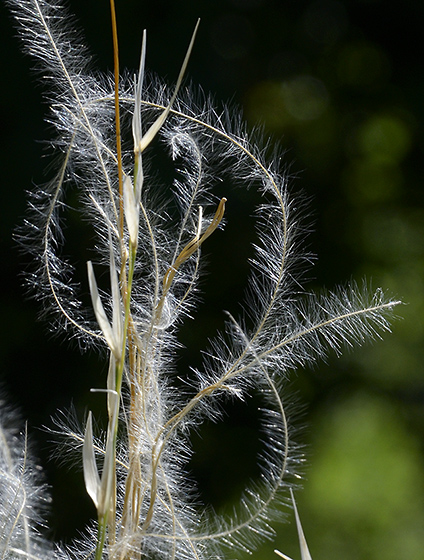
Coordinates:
[144,499]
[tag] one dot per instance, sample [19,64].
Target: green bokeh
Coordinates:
[366,483]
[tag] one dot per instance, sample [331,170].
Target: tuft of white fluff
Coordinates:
[144,497]
[23,495]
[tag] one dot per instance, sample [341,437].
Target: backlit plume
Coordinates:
[143,281]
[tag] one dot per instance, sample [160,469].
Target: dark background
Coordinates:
[339,85]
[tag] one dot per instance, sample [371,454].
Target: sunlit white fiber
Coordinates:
[149,246]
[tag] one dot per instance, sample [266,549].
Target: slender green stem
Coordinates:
[120,365]
[101,537]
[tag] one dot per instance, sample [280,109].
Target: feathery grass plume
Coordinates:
[23,496]
[142,493]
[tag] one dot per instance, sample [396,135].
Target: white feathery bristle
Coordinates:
[152,253]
